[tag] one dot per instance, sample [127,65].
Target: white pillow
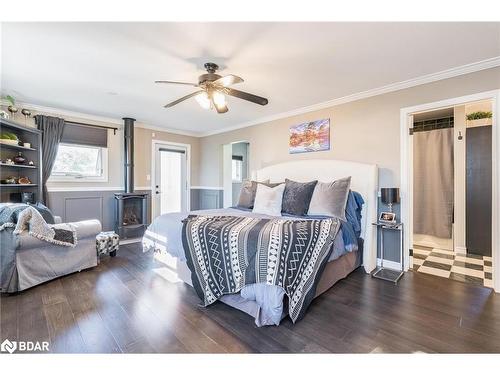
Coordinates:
[268,200]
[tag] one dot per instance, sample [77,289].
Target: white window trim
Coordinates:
[84,179]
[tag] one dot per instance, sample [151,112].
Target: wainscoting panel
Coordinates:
[85,205]
[206,199]
[83,208]
[210,199]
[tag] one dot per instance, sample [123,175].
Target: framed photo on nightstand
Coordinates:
[387,217]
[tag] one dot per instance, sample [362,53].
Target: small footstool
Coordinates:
[107,243]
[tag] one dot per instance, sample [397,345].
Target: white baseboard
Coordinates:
[389,264]
[460,250]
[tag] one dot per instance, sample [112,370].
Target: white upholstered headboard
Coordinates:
[364,180]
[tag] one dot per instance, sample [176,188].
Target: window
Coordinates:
[237,169]
[80,163]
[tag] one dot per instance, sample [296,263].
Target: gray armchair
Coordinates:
[39,261]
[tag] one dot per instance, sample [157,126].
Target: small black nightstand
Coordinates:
[387,273]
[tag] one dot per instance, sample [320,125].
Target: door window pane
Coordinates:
[171,181]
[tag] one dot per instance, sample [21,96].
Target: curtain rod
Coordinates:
[92,126]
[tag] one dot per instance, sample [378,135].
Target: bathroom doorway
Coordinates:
[452,192]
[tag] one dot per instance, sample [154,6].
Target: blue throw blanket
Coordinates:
[351,230]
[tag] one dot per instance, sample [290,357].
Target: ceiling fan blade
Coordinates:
[246,96]
[228,80]
[179,83]
[182,99]
[221,108]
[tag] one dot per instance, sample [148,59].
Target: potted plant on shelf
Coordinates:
[12,104]
[479,118]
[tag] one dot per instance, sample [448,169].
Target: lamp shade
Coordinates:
[389,195]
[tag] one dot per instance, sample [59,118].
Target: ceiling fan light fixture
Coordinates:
[203,100]
[213,89]
[219,99]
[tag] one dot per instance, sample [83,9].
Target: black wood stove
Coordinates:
[131,209]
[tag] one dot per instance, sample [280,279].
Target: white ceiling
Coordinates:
[108,69]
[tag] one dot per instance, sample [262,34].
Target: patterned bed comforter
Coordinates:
[225,253]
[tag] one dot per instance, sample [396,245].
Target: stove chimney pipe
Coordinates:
[128,144]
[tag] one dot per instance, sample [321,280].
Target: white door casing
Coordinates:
[406,149]
[161,152]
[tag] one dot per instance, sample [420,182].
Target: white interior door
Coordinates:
[170,190]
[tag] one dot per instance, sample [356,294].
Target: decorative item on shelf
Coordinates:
[4,114]
[12,106]
[24,181]
[479,118]
[19,159]
[389,196]
[479,115]
[9,138]
[26,113]
[9,162]
[31,163]
[27,145]
[9,180]
[387,217]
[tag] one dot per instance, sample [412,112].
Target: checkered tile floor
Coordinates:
[470,268]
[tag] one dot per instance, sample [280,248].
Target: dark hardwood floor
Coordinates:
[125,305]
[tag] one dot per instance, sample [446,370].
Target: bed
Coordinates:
[263,302]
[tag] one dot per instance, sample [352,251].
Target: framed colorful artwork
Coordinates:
[310,136]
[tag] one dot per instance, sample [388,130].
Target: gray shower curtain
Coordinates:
[433,181]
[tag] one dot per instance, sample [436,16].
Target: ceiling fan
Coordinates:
[213,88]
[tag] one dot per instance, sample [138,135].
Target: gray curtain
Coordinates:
[433,181]
[52,130]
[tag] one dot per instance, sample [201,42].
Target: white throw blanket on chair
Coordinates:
[58,234]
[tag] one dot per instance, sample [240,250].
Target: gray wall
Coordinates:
[83,205]
[366,130]
[204,199]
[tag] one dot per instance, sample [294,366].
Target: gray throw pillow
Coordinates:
[248,191]
[247,194]
[330,199]
[44,211]
[297,196]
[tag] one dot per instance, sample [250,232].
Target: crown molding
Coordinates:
[422,80]
[168,130]
[96,118]
[63,112]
